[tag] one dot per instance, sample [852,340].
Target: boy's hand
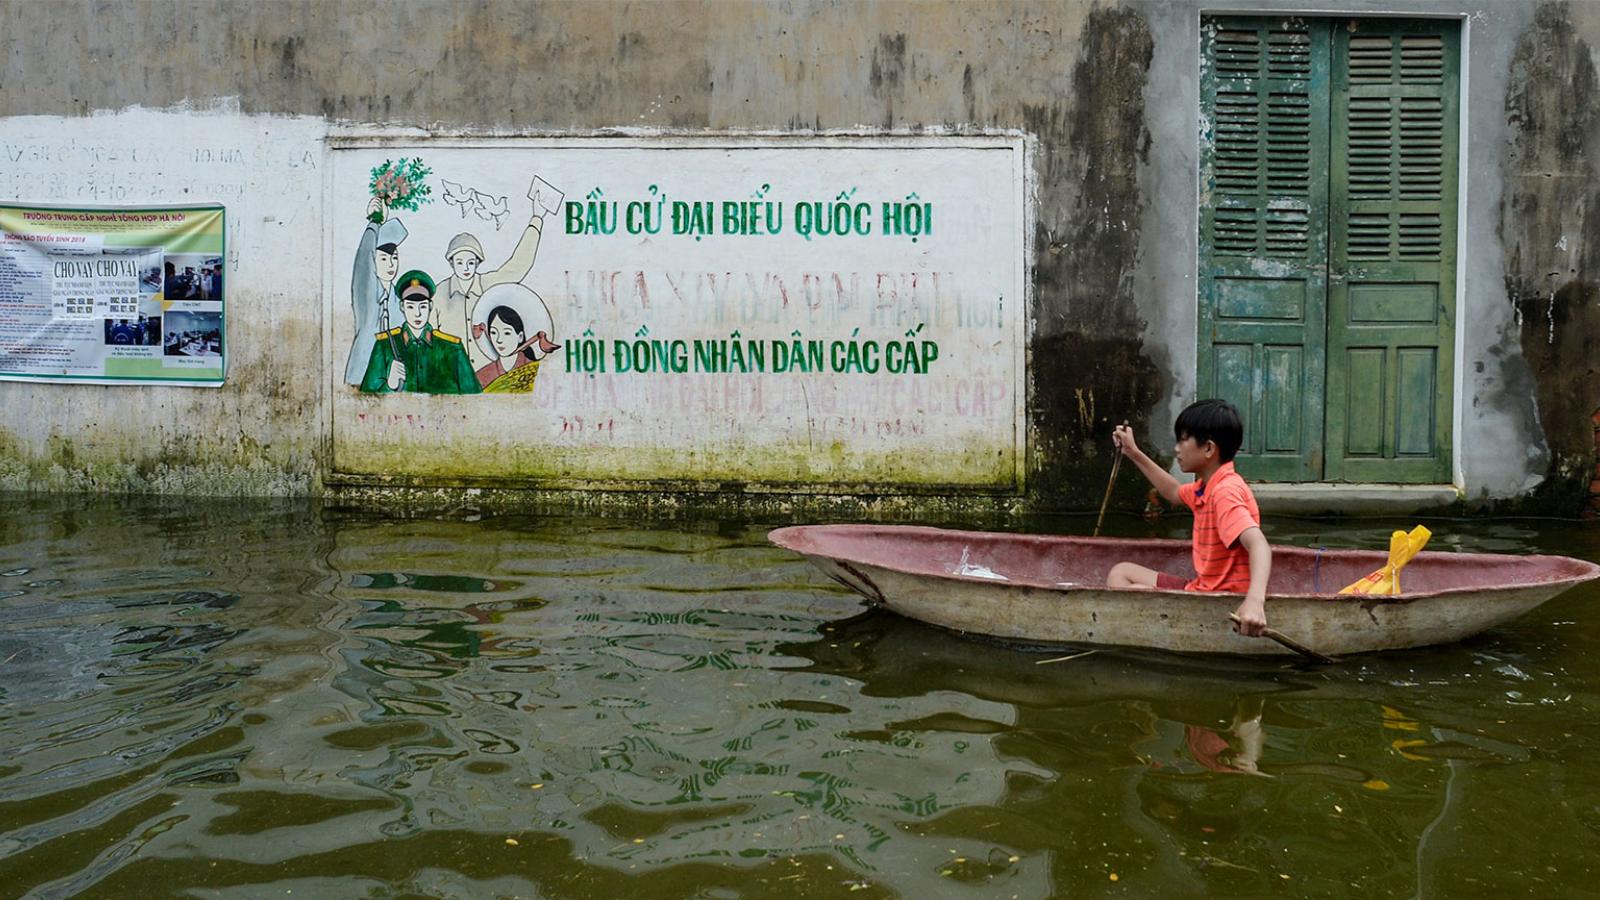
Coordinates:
[1159,478]
[1252,615]
[1122,439]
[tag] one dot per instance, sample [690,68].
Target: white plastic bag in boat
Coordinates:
[974,570]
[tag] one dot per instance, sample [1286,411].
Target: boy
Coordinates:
[1230,552]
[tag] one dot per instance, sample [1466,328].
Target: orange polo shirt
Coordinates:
[1223,509]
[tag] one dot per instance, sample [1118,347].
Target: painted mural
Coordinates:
[819,311]
[471,329]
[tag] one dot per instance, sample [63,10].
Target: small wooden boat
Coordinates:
[1051,589]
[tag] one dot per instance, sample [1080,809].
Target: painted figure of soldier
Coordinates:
[415,356]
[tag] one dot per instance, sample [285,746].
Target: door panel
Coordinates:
[1376,303]
[1283,425]
[1416,382]
[1261,298]
[1235,373]
[1364,401]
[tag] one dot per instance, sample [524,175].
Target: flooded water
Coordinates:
[216,700]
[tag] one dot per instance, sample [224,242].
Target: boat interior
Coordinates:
[1066,562]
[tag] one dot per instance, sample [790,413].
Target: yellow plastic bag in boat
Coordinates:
[1402,547]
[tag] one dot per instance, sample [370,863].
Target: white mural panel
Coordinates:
[829,312]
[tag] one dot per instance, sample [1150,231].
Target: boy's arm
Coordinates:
[1252,612]
[1161,479]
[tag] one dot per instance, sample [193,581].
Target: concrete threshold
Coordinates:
[1354,499]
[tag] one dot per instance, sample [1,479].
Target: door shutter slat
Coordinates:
[1237,53]
[1288,232]
[1421,148]
[1396,58]
[1288,168]
[1289,53]
[1238,142]
[1371,60]
[1422,59]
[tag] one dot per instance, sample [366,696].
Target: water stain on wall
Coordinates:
[1550,226]
[1087,331]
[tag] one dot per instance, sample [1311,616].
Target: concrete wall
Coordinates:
[164,102]
[261,432]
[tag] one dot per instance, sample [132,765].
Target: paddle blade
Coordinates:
[1402,547]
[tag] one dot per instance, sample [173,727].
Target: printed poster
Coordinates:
[113,295]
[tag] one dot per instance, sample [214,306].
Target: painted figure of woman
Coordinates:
[501,323]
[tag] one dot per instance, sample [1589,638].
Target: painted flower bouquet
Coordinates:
[400,185]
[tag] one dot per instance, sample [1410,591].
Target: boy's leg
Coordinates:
[1127,574]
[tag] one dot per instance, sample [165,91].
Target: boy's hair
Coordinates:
[1212,420]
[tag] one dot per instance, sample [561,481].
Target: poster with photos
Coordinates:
[113,295]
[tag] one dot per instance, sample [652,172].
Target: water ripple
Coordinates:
[256,698]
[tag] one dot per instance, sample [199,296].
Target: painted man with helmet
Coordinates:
[460,290]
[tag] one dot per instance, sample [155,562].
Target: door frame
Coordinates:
[1463,197]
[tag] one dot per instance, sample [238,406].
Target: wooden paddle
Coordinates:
[1289,642]
[1115,465]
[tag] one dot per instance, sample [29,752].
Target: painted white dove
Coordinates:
[488,207]
[457,195]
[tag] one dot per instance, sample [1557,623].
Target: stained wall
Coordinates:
[163,102]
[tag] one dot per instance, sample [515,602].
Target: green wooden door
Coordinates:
[1327,219]
[1391,300]
[1264,236]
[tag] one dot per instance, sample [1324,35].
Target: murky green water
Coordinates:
[205,699]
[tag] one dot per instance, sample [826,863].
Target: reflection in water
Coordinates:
[646,727]
[1239,751]
[258,699]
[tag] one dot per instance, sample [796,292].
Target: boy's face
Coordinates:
[1192,456]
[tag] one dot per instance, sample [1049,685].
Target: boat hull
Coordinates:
[1037,607]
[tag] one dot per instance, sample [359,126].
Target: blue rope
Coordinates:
[1316,572]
